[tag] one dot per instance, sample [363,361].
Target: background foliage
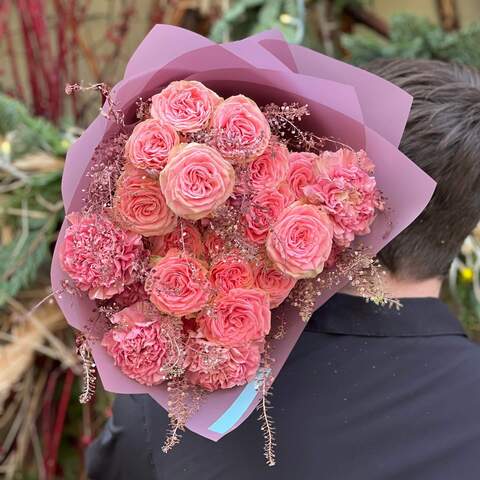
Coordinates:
[414,37]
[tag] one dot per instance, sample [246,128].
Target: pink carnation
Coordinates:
[196,181]
[140,206]
[273,282]
[301,172]
[213,367]
[144,344]
[185,237]
[300,241]
[100,257]
[343,158]
[347,192]
[237,318]
[242,130]
[269,169]
[186,105]
[150,143]
[178,284]
[265,207]
[229,272]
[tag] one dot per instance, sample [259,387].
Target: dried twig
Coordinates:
[267,423]
[88,368]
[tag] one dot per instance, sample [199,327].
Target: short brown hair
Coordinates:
[442,137]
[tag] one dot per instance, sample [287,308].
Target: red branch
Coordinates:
[59,424]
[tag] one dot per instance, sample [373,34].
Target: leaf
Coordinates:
[21,260]
[12,114]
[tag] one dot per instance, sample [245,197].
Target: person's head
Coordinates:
[442,137]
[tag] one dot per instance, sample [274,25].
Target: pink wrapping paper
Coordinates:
[345,102]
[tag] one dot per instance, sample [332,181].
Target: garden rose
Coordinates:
[347,192]
[229,272]
[213,243]
[178,284]
[140,206]
[301,172]
[273,282]
[243,131]
[186,237]
[100,257]
[186,105]
[237,318]
[144,344]
[196,180]
[265,207]
[300,241]
[150,143]
[214,367]
[287,192]
[269,169]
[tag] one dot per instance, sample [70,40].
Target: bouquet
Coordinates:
[215,211]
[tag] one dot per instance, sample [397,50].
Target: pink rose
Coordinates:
[300,241]
[140,206]
[300,172]
[131,294]
[265,207]
[229,272]
[269,169]
[150,143]
[178,284]
[214,243]
[213,367]
[237,318]
[242,130]
[196,181]
[347,192]
[287,192]
[100,257]
[186,105]
[185,238]
[145,344]
[273,282]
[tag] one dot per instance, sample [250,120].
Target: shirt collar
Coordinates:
[349,315]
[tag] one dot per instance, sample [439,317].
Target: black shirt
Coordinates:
[368,393]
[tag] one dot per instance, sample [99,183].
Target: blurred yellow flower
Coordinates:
[467,274]
[6,148]
[286,18]
[65,144]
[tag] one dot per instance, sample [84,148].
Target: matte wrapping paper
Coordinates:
[345,103]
